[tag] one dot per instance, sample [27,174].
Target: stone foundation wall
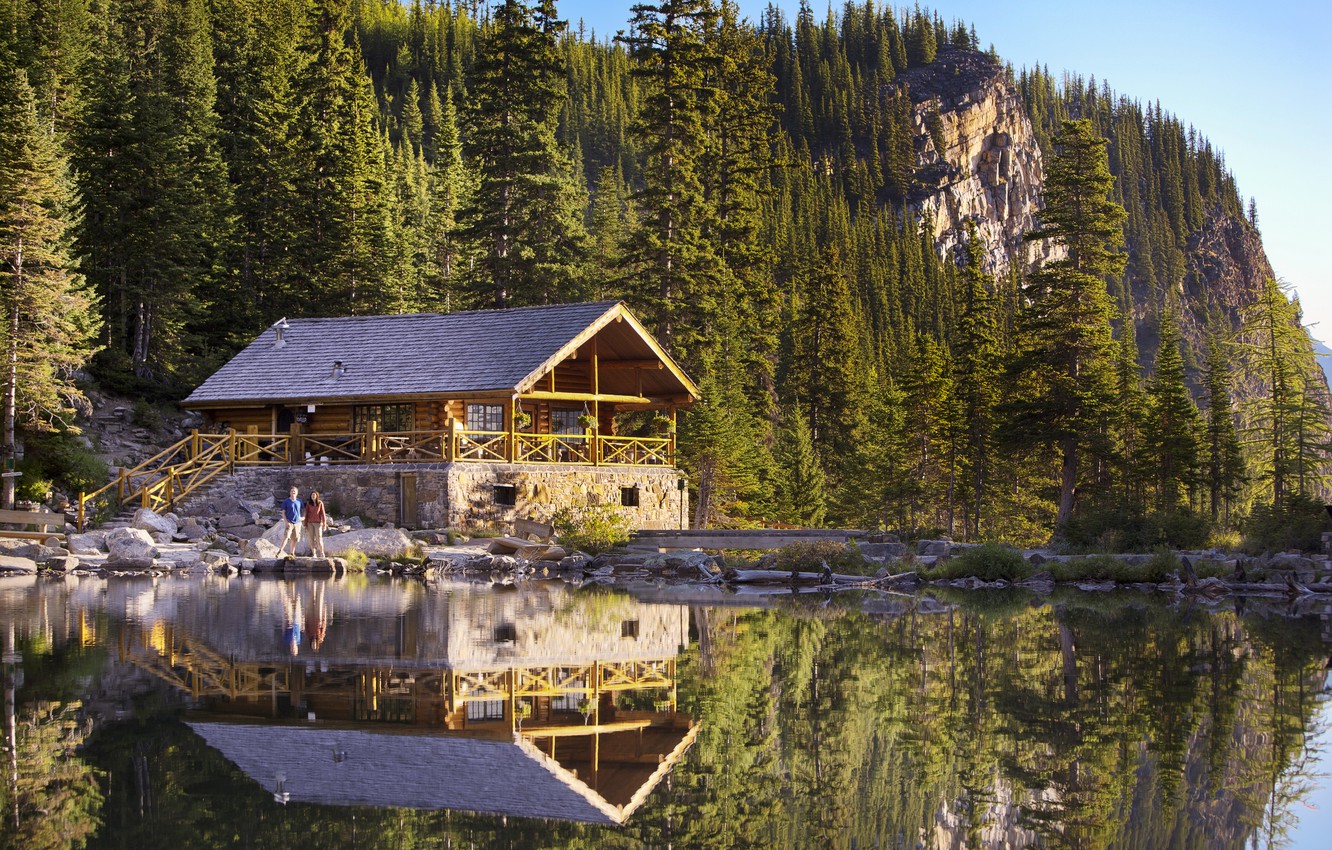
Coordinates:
[463,495]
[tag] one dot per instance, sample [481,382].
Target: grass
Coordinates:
[990,562]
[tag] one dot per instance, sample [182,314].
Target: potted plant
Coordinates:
[587,422]
[585,708]
[522,420]
[662,425]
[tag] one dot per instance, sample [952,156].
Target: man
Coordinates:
[292,510]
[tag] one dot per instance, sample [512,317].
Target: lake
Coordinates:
[208,711]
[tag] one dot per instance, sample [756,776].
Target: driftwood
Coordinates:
[788,577]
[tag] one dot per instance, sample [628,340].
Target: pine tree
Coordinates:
[801,484]
[153,184]
[1221,444]
[682,278]
[1170,444]
[1062,375]
[525,220]
[49,318]
[975,375]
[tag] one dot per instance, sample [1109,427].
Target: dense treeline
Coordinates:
[747,186]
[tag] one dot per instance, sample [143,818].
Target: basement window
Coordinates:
[506,495]
[506,633]
[629,497]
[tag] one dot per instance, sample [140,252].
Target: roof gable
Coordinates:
[413,355]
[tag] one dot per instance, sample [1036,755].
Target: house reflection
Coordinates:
[536,703]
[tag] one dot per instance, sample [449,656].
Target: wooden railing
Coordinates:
[184,467]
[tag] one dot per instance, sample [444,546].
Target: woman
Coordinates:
[316,520]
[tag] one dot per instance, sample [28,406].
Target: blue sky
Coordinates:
[1250,76]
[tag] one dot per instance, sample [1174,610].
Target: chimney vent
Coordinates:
[278,327]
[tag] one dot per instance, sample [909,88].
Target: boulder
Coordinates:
[275,534]
[247,532]
[376,542]
[933,547]
[236,520]
[215,558]
[130,547]
[883,551]
[62,563]
[92,543]
[191,529]
[10,565]
[258,549]
[150,521]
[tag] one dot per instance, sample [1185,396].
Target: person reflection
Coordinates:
[294,618]
[319,617]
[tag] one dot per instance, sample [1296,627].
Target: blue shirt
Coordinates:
[292,510]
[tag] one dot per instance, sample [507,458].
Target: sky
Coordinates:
[1251,77]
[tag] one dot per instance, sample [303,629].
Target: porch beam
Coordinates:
[542,395]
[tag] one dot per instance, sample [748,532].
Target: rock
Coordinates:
[191,529]
[162,538]
[258,549]
[275,534]
[375,542]
[92,543]
[247,532]
[215,558]
[150,521]
[883,551]
[933,547]
[236,520]
[62,563]
[134,548]
[11,565]
[265,504]
[354,523]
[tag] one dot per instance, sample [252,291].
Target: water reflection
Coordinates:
[987,720]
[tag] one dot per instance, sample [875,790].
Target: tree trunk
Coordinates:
[1068,480]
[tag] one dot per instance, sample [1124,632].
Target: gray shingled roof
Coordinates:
[420,353]
[355,768]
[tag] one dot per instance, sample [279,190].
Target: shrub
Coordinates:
[148,415]
[592,529]
[808,556]
[60,459]
[990,562]
[356,560]
[1089,568]
[1298,523]
[1118,529]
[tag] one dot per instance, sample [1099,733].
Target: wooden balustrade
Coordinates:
[192,462]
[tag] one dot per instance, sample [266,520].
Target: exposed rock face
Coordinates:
[990,170]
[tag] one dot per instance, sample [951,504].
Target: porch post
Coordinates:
[512,449]
[596,405]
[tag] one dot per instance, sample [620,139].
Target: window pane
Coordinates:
[565,422]
[485,417]
[387,417]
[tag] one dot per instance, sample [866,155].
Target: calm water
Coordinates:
[215,712]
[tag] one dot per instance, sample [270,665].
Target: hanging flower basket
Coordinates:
[662,426]
[522,420]
[587,422]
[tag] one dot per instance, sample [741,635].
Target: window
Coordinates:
[506,633]
[387,417]
[485,417]
[491,709]
[506,494]
[629,497]
[565,422]
[629,629]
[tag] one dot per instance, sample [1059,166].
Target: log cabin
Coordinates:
[521,411]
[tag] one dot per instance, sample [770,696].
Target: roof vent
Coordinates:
[278,327]
[338,369]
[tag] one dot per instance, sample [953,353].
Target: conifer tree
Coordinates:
[1170,443]
[801,484]
[49,318]
[976,373]
[525,220]
[153,184]
[1062,374]
[1221,444]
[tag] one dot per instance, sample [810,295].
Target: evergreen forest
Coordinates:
[177,175]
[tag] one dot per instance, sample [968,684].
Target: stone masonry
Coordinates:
[469,495]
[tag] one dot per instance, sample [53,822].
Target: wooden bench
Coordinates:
[42,519]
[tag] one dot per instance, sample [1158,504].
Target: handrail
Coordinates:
[208,455]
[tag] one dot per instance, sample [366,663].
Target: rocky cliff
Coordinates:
[977,157]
